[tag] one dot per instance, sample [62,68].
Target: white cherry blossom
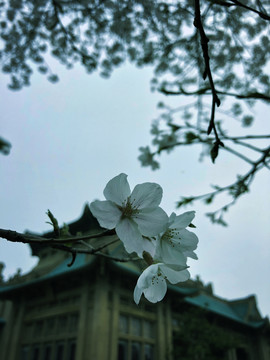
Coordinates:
[153,281]
[136,216]
[177,243]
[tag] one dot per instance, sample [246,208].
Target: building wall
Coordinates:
[91,315]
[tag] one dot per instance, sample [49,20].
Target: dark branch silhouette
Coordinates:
[73,245]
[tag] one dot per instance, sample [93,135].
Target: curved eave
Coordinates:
[222,309]
[59,271]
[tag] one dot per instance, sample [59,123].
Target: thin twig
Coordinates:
[207,72]
[75,251]
[205,91]
[263,15]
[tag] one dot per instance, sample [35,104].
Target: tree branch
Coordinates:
[263,15]
[97,251]
[207,72]
[205,91]
[14,236]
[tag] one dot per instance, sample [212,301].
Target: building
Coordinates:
[86,312]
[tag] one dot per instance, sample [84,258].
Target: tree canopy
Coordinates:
[213,51]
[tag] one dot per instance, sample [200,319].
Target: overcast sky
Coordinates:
[69,139]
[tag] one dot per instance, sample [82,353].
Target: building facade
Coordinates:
[86,312]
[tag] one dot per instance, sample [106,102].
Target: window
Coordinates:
[136,338]
[148,329]
[136,350]
[242,354]
[148,352]
[122,350]
[47,352]
[71,350]
[56,350]
[35,352]
[59,351]
[123,324]
[38,328]
[73,323]
[136,326]
[50,338]
[49,326]
[24,353]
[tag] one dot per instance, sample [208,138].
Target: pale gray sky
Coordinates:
[69,139]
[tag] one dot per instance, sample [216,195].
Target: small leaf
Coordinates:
[54,223]
[5,146]
[53,78]
[209,200]
[190,136]
[43,69]
[214,152]
[184,201]
[247,120]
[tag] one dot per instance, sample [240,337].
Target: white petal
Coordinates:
[117,189]
[174,276]
[152,285]
[106,212]
[188,240]
[128,232]
[146,195]
[191,254]
[157,290]
[183,220]
[151,222]
[145,278]
[170,254]
[172,218]
[149,245]
[137,294]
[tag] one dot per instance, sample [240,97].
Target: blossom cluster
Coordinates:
[145,229]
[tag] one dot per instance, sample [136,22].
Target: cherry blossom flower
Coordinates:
[136,216]
[153,281]
[177,243]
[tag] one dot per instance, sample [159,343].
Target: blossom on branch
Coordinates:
[136,216]
[173,247]
[177,243]
[144,228]
[153,281]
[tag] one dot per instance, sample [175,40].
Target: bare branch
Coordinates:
[207,72]
[14,236]
[263,15]
[207,91]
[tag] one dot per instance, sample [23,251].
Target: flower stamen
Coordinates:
[128,209]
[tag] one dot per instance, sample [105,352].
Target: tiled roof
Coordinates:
[221,307]
[61,269]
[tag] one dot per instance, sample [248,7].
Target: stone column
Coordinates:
[100,330]
[161,333]
[169,330]
[264,347]
[114,325]
[15,331]
[82,326]
[7,312]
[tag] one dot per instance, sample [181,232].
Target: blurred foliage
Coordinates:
[5,146]
[101,35]
[214,49]
[200,338]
